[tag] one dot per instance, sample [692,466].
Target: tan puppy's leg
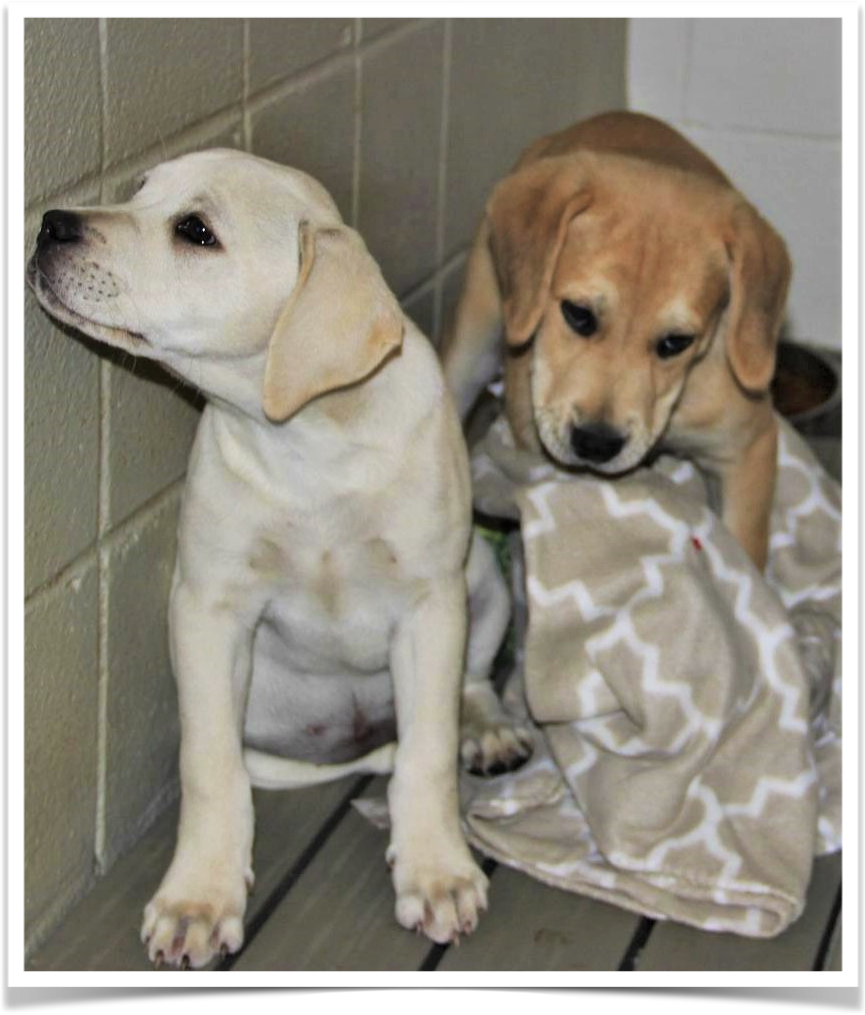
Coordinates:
[747,490]
[471,353]
[439,888]
[198,909]
[492,741]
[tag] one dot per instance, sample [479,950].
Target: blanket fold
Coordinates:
[687,708]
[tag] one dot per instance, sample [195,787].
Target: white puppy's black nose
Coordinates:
[59,227]
[596,442]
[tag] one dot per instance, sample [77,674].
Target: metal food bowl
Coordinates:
[806,388]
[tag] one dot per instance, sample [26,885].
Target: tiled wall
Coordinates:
[408,123]
[763,98]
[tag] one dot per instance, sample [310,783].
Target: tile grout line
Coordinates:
[758,133]
[444,139]
[142,515]
[330,65]
[687,70]
[103,496]
[102,713]
[139,517]
[442,270]
[246,116]
[358,124]
[103,95]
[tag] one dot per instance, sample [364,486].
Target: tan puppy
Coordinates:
[318,606]
[641,298]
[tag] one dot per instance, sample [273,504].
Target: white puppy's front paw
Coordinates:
[440,898]
[189,926]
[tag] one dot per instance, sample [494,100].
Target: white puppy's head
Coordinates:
[238,274]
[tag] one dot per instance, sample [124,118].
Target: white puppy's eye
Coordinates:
[193,230]
[672,345]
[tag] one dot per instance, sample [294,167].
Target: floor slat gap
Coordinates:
[278,894]
[636,945]
[828,934]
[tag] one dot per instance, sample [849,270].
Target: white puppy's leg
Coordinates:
[198,910]
[439,888]
[492,741]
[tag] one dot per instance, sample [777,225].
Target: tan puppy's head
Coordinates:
[616,276]
[238,274]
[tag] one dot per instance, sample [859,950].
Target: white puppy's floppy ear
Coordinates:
[338,325]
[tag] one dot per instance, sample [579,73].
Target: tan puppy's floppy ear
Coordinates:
[338,325]
[528,214]
[759,280]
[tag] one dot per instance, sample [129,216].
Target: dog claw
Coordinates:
[223,950]
[157,962]
[184,962]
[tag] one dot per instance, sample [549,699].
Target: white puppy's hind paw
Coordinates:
[495,749]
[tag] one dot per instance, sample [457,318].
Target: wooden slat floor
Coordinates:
[323,901]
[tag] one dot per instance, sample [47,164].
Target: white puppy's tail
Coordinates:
[270,771]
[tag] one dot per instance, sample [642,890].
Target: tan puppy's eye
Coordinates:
[193,230]
[581,319]
[672,345]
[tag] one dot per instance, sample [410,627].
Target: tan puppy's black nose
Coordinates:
[596,442]
[59,227]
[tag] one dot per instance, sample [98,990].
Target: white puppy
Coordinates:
[318,607]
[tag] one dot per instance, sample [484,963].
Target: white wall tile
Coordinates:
[796,184]
[763,98]
[773,74]
[60,745]
[62,140]
[61,445]
[657,60]
[198,72]
[279,47]
[142,725]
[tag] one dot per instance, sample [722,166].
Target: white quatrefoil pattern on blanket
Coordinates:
[688,708]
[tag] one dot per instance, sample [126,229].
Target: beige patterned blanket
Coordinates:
[688,748]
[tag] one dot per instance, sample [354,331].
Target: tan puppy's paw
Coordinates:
[442,899]
[188,929]
[496,748]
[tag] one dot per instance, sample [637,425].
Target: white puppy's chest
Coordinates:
[332,596]
[314,548]
[320,539]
